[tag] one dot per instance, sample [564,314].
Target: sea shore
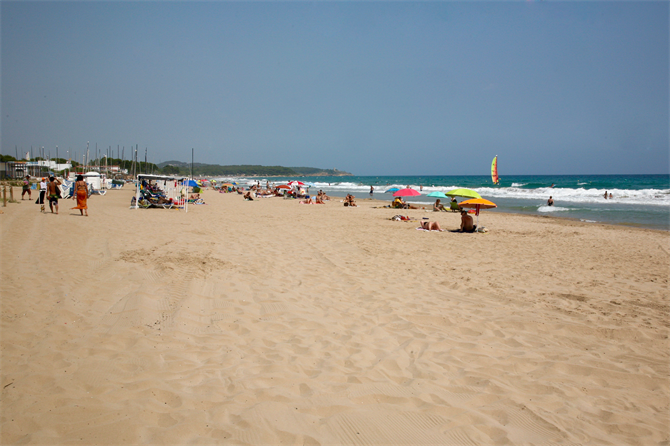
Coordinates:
[272,322]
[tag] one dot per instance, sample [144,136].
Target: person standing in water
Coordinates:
[550,201]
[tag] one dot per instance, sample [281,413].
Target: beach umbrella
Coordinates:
[437,194]
[192,183]
[393,189]
[283,186]
[296,183]
[477,204]
[465,193]
[407,192]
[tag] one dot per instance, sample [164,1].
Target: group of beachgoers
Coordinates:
[257,191]
[467,224]
[50,190]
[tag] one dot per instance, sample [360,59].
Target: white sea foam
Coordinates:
[518,184]
[552,209]
[581,195]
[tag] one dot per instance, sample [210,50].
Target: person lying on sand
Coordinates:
[430,226]
[467,224]
[307,200]
[406,205]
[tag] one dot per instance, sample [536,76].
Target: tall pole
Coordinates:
[146,169]
[86,163]
[192,150]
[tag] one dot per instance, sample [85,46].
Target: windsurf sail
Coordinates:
[494,170]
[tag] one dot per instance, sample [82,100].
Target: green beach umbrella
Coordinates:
[465,193]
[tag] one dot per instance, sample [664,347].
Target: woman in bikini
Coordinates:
[430,226]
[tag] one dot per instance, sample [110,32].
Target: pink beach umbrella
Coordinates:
[407,192]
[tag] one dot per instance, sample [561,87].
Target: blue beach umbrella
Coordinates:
[192,183]
[437,194]
[393,189]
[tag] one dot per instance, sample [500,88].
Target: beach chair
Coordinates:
[454,207]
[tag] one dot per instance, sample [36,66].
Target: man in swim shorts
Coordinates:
[52,193]
[550,201]
[467,225]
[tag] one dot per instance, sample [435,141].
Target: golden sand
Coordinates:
[270,322]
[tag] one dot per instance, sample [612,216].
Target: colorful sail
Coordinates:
[494,170]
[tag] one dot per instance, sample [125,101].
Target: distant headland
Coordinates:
[201,169]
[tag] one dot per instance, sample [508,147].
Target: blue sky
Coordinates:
[373,88]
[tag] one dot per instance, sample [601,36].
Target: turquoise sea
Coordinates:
[638,200]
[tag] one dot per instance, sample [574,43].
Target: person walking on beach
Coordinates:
[43,192]
[53,194]
[26,188]
[81,195]
[371,190]
[550,201]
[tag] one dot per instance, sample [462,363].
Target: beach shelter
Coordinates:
[171,186]
[437,194]
[477,204]
[391,190]
[192,183]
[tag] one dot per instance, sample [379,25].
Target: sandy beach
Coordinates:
[271,322]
